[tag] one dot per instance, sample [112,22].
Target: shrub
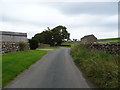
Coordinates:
[22,46]
[33,43]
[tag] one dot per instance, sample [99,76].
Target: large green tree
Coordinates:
[54,36]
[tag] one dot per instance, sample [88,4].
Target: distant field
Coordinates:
[70,43]
[54,47]
[109,40]
[14,63]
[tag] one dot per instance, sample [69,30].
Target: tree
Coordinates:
[54,36]
[74,40]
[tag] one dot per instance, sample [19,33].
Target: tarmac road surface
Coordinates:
[55,70]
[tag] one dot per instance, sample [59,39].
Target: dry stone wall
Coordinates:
[9,41]
[41,45]
[9,47]
[113,48]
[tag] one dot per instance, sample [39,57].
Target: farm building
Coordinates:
[9,41]
[88,39]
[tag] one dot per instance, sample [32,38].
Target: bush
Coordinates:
[22,46]
[33,43]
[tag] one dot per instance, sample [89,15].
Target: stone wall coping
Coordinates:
[113,48]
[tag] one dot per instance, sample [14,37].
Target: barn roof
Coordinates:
[13,33]
[89,36]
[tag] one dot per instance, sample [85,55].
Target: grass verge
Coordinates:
[99,66]
[14,63]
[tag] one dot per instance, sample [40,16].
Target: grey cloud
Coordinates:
[72,8]
[18,21]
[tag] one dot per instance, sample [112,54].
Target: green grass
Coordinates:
[14,63]
[52,47]
[109,40]
[99,66]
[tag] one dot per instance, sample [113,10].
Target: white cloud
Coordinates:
[33,13]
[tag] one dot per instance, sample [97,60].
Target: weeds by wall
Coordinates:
[100,66]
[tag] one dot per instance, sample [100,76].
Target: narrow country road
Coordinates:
[55,70]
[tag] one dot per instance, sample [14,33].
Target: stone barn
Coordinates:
[88,39]
[9,41]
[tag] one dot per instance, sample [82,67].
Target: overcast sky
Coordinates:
[80,18]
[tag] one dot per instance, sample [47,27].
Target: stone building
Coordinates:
[9,41]
[88,39]
[13,37]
